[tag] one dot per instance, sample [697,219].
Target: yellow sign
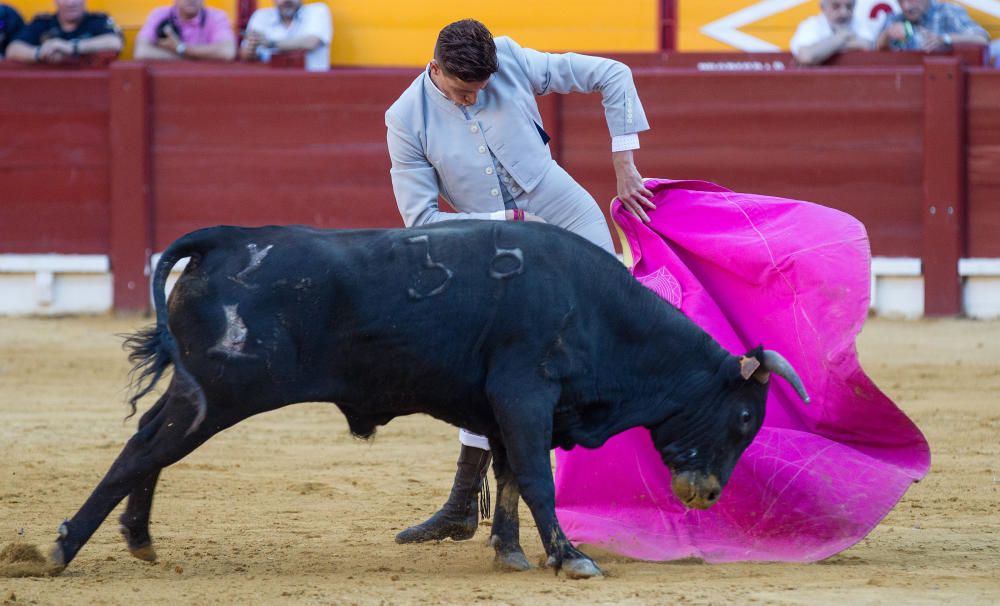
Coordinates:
[768,25]
[403,33]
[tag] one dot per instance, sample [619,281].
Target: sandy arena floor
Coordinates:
[289,508]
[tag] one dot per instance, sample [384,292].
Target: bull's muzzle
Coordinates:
[696,490]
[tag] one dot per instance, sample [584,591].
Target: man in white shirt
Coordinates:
[290,26]
[835,30]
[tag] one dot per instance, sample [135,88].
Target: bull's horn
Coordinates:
[776,363]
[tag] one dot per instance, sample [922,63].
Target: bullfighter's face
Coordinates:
[703,441]
[457,90]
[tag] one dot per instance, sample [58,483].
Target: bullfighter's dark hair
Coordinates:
[465,49]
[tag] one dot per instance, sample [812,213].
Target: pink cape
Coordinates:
[794,277]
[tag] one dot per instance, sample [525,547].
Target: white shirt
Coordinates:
[311,19]
[809,32]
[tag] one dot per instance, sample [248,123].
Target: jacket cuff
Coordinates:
[625,142]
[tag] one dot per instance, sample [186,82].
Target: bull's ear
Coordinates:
[748,366]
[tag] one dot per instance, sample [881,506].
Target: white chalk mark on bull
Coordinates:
[234,339]
[431,264]
[256,258]
[502,257]
[506,253]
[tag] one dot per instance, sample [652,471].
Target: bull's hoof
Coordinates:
[142,549]
[577,568]
[146,553]
[511,561]
[56,561]
[581,569]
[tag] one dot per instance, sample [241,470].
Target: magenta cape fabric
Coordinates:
[794,277]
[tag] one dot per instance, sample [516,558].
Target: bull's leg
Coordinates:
[525,420]
[163,441]
[134,522]
[505,536]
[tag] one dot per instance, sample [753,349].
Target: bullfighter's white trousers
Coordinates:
[561,201]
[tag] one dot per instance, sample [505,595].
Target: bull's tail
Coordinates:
[153,349]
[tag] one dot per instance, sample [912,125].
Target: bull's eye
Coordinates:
[745,417]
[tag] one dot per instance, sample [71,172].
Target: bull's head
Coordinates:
[702,441]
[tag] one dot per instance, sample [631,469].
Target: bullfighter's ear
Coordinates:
[748,365]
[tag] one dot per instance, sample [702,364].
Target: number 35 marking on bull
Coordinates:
[506,263]
[429,264]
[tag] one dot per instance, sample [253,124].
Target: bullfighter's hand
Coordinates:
[509,216]
[631,189]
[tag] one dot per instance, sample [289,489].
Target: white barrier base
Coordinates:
[82,284]
[897,287]
[981,287]
[54,284]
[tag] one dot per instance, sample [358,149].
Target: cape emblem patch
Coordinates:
[663,283]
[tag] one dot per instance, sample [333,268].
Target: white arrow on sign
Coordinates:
[726,30]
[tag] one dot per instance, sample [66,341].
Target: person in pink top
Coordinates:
[186,30]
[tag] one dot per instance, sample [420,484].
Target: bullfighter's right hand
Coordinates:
[509,216]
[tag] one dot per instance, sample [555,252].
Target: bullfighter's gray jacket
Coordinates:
[435,150]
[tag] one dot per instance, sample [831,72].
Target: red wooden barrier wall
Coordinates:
[983,163]
[124,160]
[54,162]
[275,147]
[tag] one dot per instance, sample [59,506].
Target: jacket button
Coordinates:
[482,149]
[494,192]
[473,129]
[489,170]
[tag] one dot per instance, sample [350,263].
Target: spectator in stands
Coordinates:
[929,25]
[832,31]
[10,24]
[186,30]
[290,26]
[65,35]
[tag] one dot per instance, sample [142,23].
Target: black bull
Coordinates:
[521,332]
